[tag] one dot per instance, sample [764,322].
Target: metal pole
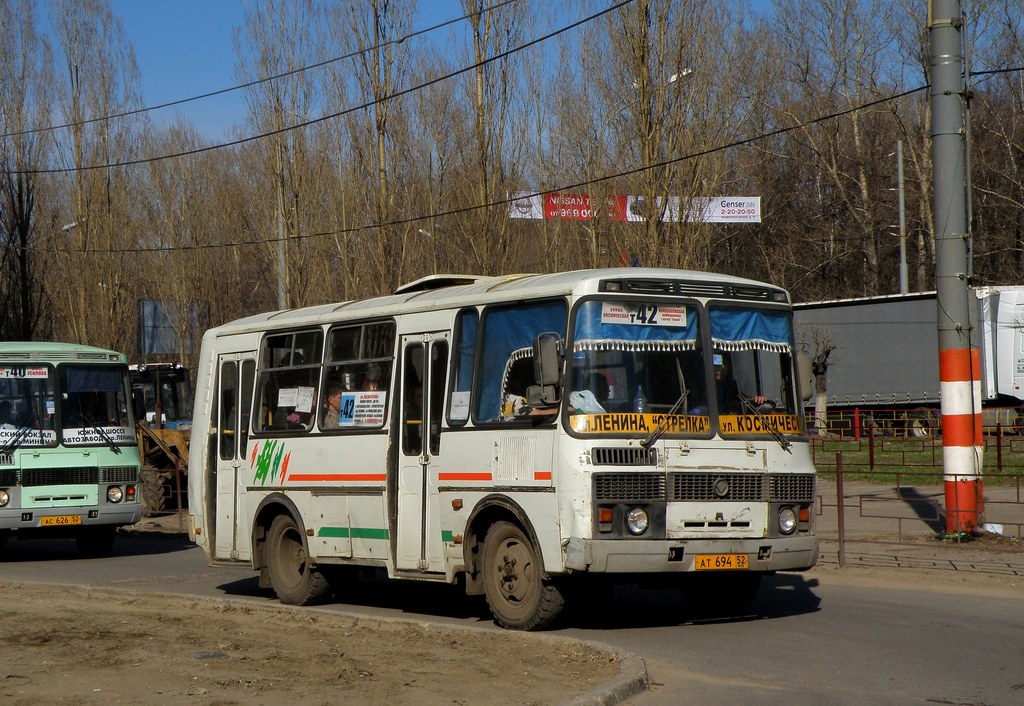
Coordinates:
[282,300]
[959,366]
[904,285]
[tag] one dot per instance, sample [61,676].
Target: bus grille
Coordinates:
[629,486]
[792,488]
[59,476]
[717,486]
[735,487]
[621,456]
[119,474]
[8,476]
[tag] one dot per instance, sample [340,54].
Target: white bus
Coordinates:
[524,434]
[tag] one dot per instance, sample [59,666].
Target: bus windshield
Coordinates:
[635,366]
[94,405]
[26,405]
[640,367]
[752,366]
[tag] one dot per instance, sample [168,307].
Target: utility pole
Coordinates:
[904,285]
[959,364]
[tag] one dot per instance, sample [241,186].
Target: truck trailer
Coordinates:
[884,367]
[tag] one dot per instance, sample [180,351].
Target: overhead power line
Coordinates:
[256,82]
[338,114]
[506,201]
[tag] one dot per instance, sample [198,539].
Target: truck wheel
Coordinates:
[95,542]
[519,596]
[920,425]
[720,594]
[294,577]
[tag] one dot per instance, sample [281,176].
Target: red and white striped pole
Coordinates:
[959,368]
[962,440]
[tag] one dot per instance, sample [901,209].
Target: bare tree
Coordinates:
[24,106]
[369,143]
[278,38]
[96,302]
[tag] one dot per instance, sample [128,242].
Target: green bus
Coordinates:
[69,457]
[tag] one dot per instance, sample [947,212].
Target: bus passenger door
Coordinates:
[421,387]
[236,374]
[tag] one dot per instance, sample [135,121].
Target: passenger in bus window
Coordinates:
[372,379]
[332,411]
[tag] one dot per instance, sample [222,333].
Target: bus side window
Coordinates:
[289,380]
[507,334]
[463,357]
[360,363]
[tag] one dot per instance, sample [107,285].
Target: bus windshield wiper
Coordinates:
[106,437]
[752,408]
[15,441]
[663,424]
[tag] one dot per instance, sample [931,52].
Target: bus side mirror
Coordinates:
[547,367]
[547,370]
[805,375]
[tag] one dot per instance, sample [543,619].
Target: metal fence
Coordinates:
[886,492]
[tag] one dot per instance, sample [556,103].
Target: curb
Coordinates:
[632,680]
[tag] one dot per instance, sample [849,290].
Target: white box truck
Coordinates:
[885,362]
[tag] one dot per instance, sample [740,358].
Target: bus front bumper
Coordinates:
[628,556]
[64,520]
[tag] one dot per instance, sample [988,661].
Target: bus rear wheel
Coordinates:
[722,593]
[295,579]
[519,596]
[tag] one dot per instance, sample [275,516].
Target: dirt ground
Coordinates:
[70,645]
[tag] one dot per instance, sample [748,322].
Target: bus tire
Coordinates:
[519,596]
[293,576]
[721,593]
[96,542]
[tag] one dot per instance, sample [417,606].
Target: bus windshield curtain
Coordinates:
[594,335]
[747,329]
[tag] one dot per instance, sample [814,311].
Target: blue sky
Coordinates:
[184,48]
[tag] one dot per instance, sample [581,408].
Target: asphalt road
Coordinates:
[837,636]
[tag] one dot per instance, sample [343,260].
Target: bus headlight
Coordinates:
[5,498]
[787,520]
[115,494]
[637,521]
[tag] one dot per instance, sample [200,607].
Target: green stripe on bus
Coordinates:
[354,532]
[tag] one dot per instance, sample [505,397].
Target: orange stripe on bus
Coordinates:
[380,477]
[542,475]
[962,430]
[464,476]
[957,364]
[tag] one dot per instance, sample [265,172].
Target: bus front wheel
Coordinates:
[295,579]
[519,596]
